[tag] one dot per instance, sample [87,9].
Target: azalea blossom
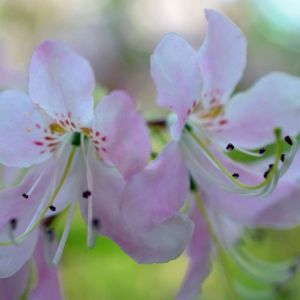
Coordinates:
[196,86]
[206,122]
[78,153]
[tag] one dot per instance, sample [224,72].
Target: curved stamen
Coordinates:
[90,234]
[267,182]
[30,191]
[268,272]
[65,235]
[42,210]
[11,228]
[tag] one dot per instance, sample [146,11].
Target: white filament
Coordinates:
[65,235]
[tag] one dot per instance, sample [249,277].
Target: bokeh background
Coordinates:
[117,37]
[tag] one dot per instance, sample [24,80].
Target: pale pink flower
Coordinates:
[95,157]
[207,121]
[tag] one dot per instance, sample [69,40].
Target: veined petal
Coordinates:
[47,286]
[61,82]
[121,134]
[200,253]
[14,286]
[21,131]
[177,78]
[222,57]
[158,192]
[252,115]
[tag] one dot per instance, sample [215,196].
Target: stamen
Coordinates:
[263,188]
[288,140]
[52,207]
[230,147]
[50,234]
[96,223]
[13,223]
[65,235]
[44,204]
[235,175]
[261,150]
[86,194]
[266,173]
[282,157]
[265,271]
[35,184]
[11,228]
[193,184]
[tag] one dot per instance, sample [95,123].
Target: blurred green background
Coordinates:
[117,37]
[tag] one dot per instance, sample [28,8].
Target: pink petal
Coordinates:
[61,82]
[121,135]
[162,241]
[150,210]
[13,287]
[177,78]
[20,138]
[222,57]
[108,185]
[47,286]
[14,257]
[200,252]
[158,192]
[252,116]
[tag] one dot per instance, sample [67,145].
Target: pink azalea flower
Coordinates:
[197,86]
[206,122]
[95,157]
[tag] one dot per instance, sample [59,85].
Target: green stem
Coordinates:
[221,255]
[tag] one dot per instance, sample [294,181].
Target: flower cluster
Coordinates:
[57,149]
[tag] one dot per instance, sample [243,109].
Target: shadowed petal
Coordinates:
[13,287]
[122,133]
[47,286]
[200,253]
